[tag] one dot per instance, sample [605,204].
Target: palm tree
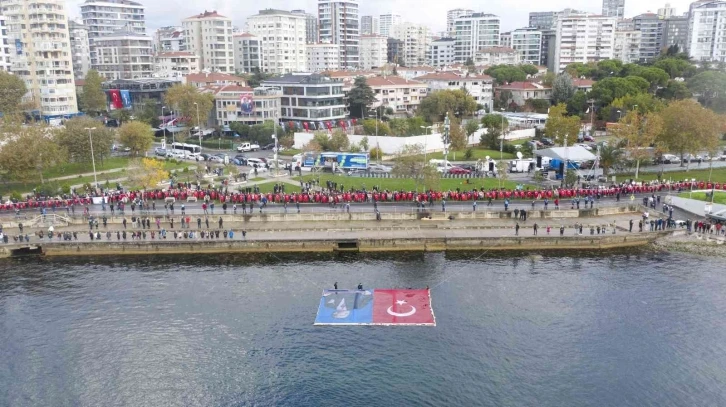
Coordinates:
[610,156]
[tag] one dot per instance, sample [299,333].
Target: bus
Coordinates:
[186,149]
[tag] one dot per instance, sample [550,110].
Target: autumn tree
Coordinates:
[434,106]
[137,136]
[457,137]
[559,125]
[410,163]
[12,90]
[147,173]
[183,98]
[689,128]
[74,138]
[94,98]
[339,141]
[638,132]
[29,151]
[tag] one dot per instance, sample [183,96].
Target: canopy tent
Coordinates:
[574,153]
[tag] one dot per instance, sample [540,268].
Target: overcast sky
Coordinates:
[513,13]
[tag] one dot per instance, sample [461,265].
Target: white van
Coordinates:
[441,165]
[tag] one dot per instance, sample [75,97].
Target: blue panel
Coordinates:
[351,307]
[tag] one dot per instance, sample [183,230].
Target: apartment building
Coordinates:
[583,39]
[124,54]
[282,40]
[104,17]
[675,32]
[416,40]
[505,39]
[340,24]
[707,31]
[309,97]
[177,64]
[523,91]
[209,35]
[613,8]
[402,95]
[651,35]
[322,57]
[170,39]
[480,87]
[497,56]
[370,25]
[80,48]
[5,52]
[373,51]
[667,11]
[42,54]
[474,32]
[441,52]
[627,46]
[452,15]
[228,107]
[545,20]
[207,79]
[247,53]
[386,21]
[311,26]
[395,50]
[528,43]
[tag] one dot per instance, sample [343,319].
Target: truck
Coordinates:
[521,165]
[441,165]
[246,147]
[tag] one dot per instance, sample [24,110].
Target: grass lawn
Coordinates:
[719,198]
[478,154]
[719,175]
[80,168]
[289,152]
[268,187]
[258,179]
[402,184]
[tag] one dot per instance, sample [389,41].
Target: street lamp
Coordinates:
[93,159]
[501,139]
[426,139]
[277,164]
[164,118]
[378,149]
[199,127]
[447,127]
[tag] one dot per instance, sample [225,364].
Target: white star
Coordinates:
[400,302]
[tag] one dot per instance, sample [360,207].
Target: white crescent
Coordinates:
[402,314]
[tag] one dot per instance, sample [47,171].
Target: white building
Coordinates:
[170,39]
[340,24]
[177,64]
[373,51]
[523,91]
[402,95]
[667,11]
[108,16]
[322,57]
[583,39]
[228,107]
[311,26]
[707,31]
[42,54]
[78,35]
[480,87]
[416,41]
[474,32]
[209,35]
[528,43]
[497,56]
[370,25]
[283,39]
[627,46]
[452,15]
[613,8]
[124,55]
[310,98]
[387,21]
[651,35]
[5,52]
[505,39]
[441,52]
[247,52]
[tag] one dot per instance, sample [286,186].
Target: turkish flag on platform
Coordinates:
[402,307]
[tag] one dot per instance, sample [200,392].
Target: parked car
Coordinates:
[270,146]
[459,171]
[588,138]
[252,161]
[215,159]
[546,141]
[161,152]
[178,155]
[203,157]
[248,147]
[534,144]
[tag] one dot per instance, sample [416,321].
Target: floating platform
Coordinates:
[376,307]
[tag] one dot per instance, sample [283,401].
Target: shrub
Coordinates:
[15,196]
[509,148]
[469,153]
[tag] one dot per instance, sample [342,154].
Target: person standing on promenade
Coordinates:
[630,229]
[516,229]
[220,222]
[534,228]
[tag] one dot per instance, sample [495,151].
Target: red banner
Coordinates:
[116,102]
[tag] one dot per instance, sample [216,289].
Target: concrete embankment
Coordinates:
[694,243]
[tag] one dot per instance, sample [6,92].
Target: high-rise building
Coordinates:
[370,25]
[627,46]
[80,48]
[176,64]
[613,8]
[505,39]
[170,39]
[651,35]
[209,35]
[42,54]
[625,24]
[340,24]
[416,40]
[473,32]
[283,37]
[667,11]
[452,15]
[387,21]
[583,39]
[675,32]
[395,50]
[707,31]
[528,43]
[124,54]
[4,46]
[322,57]
[441,52]
[549,44]
[108,16]
[247,53]
[545,20]
[373,51]
[311,26]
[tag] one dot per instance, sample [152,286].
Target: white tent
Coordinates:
[575,153]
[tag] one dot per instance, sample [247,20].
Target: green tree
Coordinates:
[457,137]
[183,98]
[137,136]
[364,143]
[548,79]
[645,103]
[409,163]
[121,115]
[369,128]
[674,90]
[610,156]
[434,106]
[399,127]
[12,90]
[339,141]
[676,67]
[580,70]
[577,104]
[256,78]
[529,69]
[74,138]
[607,68]
[709,86]
[656,77]
[28,151]
[631,70]
[506,74]
[493,124]
[609,89]
[563,88]
[637,133]
[559,125]
[689,128]
[150,112]
[471,127]
[360,97]
[94,98]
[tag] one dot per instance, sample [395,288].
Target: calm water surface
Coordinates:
[620,330]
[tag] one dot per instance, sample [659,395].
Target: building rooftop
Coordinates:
[379,81]
[302,79]
[583,83]
[348,74]
[175,54]
[206,14]
[523,86]
[452,76]
[212,77]
[244,35]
